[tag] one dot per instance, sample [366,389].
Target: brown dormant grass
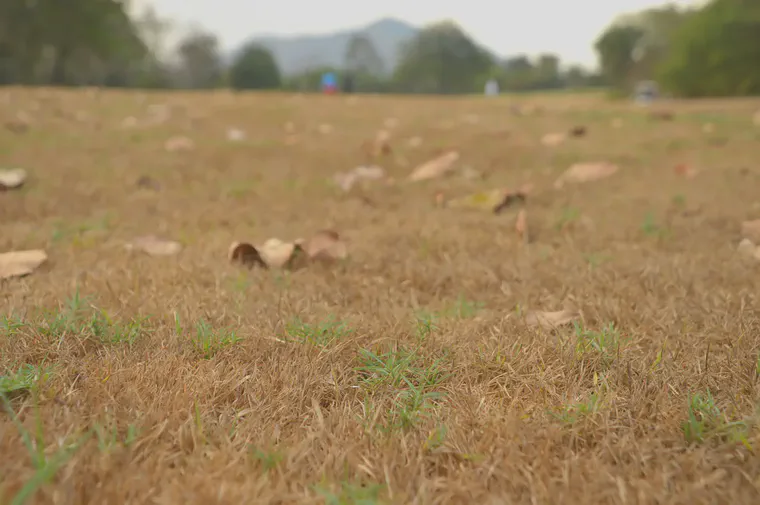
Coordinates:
[403,374]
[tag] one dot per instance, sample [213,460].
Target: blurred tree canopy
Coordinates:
[255,68]
[711,50]
[716,52]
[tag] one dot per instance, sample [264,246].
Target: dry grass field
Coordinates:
[408,372]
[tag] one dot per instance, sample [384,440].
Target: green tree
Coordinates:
[362,57]
[615,48]
[442,59]
[200,64]
[72,42]
[255,68]
[716,52]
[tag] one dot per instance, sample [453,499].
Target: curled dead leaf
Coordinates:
[155,246]
[751,230]
[685,170]
[380,146]
[748,248]
[551,320]
[274,253]
[414,142]
[661,115]
[245,254]
[511,197]
[279,254]
[147,182]
[435,168]
[175,144]
[20,263]
[586,172]
[12,178]
[553,139]
[325,245]
[578,131]
[346,180]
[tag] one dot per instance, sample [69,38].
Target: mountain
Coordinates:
[303,52]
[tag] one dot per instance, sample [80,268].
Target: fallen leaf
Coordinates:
[235,135]
[175,144]
[661,115]
[155,246]
[521,225]
[390,122]
[578,131]
[278,254]
[346,180]
[586,172]
[17,126]
[435,168]
[751,230]
[20,263]
[685,170]
[471,174]
[147,182]
[551,320]
[414,142]
[553,139]
[748,248]
[12,178]
[245,254]
[325,245]
[379,146]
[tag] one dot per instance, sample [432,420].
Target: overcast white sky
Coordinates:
[508,27]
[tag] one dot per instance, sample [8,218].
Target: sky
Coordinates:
[567,28]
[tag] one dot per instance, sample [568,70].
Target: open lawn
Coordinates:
[408,372]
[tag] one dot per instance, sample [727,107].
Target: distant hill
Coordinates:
[298,53]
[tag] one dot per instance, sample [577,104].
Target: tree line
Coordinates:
[713,50]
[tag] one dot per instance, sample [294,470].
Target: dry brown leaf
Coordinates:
[748,248]
[751,230]
[586,172]
[175,144]
[245,254]
[155,246]
[553,139]
[12,178]
[661,115]
[379,146]
[414,142]
[325,245]
[346,180]
[685,170]
[20,263]
[147,182]
[551,320]
[521,225]
[435,168]
[276,253]
[578,131]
